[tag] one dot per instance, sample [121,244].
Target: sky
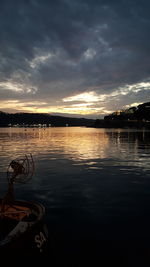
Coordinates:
[77,58]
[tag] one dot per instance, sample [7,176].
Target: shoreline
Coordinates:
[122,124]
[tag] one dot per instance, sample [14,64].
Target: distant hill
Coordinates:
[139,113]
[134,117]
[40,119]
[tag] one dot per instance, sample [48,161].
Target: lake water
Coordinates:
[95,186]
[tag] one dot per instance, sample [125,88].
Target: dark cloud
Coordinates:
[54,49]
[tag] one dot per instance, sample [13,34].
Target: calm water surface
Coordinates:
[95,185]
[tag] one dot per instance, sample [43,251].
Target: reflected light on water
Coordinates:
[88,146]
[92,182]
[75,143]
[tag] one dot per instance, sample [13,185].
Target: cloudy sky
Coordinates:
[82,58]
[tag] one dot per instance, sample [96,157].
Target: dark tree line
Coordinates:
[135,117]
[29,119]
[139,113]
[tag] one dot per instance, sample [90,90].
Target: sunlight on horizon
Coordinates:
[81,108]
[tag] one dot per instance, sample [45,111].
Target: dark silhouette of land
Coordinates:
[40,120]
[134,117]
